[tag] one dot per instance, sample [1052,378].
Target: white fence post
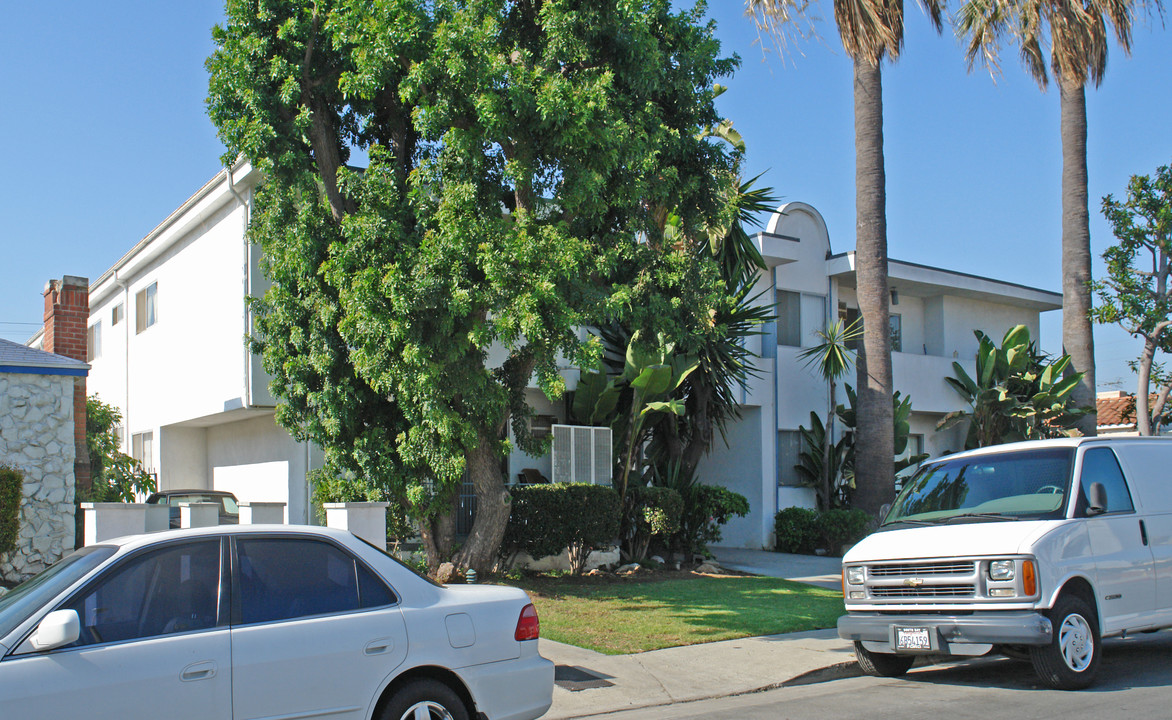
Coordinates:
[110,520]
[262,513]
[367,520]
[199,514]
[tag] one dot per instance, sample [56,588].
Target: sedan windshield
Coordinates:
[27,598]
[1028,484]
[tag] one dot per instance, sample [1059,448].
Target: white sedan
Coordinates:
[260,622]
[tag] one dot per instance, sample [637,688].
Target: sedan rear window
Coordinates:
[287,578]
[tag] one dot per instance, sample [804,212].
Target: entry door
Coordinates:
[315,633]
[1126,589]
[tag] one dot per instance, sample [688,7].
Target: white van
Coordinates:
[1034,549]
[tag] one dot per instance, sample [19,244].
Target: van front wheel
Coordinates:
[882,664]
[1071,659]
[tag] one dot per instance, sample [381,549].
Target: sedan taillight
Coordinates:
[528,628]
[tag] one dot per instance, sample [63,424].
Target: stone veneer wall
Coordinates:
[36,437]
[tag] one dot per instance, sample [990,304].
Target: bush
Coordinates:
[796,530]
[842,527]
[800,530]
[11,491]
[706,508]
[547,519]
[650,512]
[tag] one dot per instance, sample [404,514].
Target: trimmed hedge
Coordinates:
[799,530]
[547,519]
[11,491]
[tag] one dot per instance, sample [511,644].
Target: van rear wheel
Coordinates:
[1071,659]
[882,664]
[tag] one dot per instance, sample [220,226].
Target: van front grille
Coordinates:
[922,569]
[926,591]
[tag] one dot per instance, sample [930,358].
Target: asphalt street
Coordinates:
[1134,681]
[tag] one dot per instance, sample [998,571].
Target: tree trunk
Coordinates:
[875,431]
[1143,412]
[439,536]
[1077,334]
[493,505]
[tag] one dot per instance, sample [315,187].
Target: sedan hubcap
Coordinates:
[1076,642]
[427,710]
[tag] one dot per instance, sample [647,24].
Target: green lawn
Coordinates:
[626,616]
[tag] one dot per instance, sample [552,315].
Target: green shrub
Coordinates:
[650,512]
[842,528]
[800,530]
[547,519]
[11,491]
[706,508]
[796,530]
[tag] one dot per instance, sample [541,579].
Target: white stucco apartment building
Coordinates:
[168,322]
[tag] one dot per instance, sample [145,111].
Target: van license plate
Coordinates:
[913,638]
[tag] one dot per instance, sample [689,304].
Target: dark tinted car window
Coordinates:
[1100,466]
[170,590]
[287,578]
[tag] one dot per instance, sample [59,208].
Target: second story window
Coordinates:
[146,307]
[116,314]
[93,344]
[789,318]
[896,333]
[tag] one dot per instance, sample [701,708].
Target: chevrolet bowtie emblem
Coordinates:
[914,582]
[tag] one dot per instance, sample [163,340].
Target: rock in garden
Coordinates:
[444,574]
[630,569]
[656,558]
[709,568]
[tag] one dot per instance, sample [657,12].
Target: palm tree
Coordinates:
[870,30]
[1078,40]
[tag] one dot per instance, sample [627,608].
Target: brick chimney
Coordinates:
[67,314]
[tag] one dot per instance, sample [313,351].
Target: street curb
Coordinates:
[838,671]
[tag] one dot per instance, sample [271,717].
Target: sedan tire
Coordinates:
[425,699]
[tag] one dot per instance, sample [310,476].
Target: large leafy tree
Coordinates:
[1136,294]
[1077,33]
[517,150]
[870,30]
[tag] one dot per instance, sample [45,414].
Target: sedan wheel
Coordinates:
[425,699]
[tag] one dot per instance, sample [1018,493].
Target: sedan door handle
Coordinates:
[380,646]
[1143,532]
[198,671]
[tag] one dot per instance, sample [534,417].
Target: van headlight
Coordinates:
[854,575]
[1002,570]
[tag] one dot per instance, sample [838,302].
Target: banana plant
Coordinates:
[653,372]
[1018,393]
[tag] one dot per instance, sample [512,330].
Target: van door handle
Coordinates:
[1143,532]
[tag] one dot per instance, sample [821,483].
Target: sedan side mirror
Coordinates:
[1097,503]
[57,629]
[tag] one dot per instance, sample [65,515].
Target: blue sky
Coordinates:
[106,133]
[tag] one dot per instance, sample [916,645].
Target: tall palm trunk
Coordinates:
[875,443]
[1077,335]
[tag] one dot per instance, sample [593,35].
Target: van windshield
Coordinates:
[1027,484]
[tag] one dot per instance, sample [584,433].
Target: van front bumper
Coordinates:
[949,634]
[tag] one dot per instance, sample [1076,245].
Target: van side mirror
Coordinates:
[57,629]
[1097,502]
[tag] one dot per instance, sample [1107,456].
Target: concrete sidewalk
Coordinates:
[591,683]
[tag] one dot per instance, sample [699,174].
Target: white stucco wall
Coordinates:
[260,462]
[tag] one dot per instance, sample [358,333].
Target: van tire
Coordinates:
[882,664]
[1071,659]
